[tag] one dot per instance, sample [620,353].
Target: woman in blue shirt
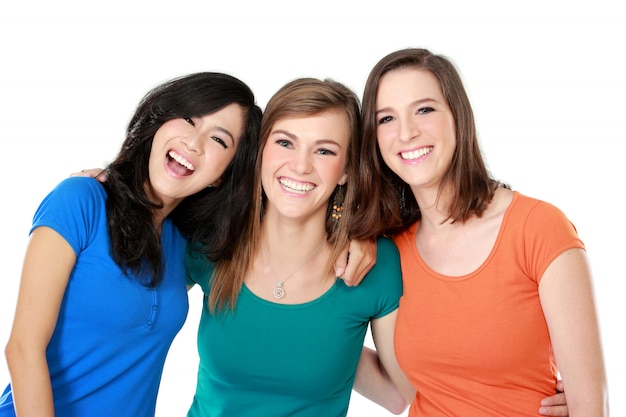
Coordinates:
[102,291]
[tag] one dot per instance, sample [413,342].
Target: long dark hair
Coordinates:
[390,206]
[210,217]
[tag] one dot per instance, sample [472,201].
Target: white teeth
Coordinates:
[296,187]
[176,157]
[416,153]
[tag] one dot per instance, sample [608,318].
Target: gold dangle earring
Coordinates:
[338,204]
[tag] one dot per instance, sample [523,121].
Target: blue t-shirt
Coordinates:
[276,360]
[108,349]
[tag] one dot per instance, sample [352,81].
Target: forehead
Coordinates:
[416,82]
[230,118]
[331,124]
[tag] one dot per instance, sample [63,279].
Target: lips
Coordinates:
[179,164]
[295,186]
[416,153]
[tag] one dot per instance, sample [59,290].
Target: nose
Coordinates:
[193,143]
[301,161]
[408,129]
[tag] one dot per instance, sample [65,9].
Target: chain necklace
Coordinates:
[279,291]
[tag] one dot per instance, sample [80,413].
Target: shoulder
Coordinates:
[75,209]
[405,237]
[386,250]
[387,273]
[382,286]
[542,224]
[198,269]
[76,188]
[536,210]
[540,232]
[79,196]
[73,193]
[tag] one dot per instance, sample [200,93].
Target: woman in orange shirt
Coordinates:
[497,286]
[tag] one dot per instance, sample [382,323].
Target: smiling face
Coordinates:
[303,161]
[415,126]
[189,154]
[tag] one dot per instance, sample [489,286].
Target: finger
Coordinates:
[559,386]
[340,264]
[557,410]
[103,175]
[362,259]
[350,276]
[98,173]
[81,173]
[556,399]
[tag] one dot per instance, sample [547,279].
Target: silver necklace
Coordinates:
[279,291]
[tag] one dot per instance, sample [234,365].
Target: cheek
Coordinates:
[385,150]
[444,127]
[217,160]
[335,169]
[384,140]
[274,158]
[221,159]
[385,135]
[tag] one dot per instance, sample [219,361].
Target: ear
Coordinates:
[343,179]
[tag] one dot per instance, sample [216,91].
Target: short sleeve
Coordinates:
[198,269]
[73,209]
[547,234]
[386,276]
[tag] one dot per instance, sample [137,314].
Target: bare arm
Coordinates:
[379,377]
[566,294]
[374,383]
[47,265]
[357,258]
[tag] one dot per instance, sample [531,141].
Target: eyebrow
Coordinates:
[226,132]
[414,103]
[283,132]
[295,137]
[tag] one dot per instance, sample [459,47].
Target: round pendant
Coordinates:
[279,293]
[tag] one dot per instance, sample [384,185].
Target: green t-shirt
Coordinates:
[272,360]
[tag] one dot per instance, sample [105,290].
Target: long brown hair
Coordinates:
[390,206]
[299,98]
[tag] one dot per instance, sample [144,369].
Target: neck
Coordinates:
[293,235]
[434,206]
[283,262]
[288,243]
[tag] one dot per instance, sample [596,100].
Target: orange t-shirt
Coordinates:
[478,345]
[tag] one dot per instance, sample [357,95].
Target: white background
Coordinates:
[546,81]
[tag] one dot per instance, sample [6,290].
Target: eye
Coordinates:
[189,120]
[324,151]
[385,119]
[283,143]
[425,110]
[220,141]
